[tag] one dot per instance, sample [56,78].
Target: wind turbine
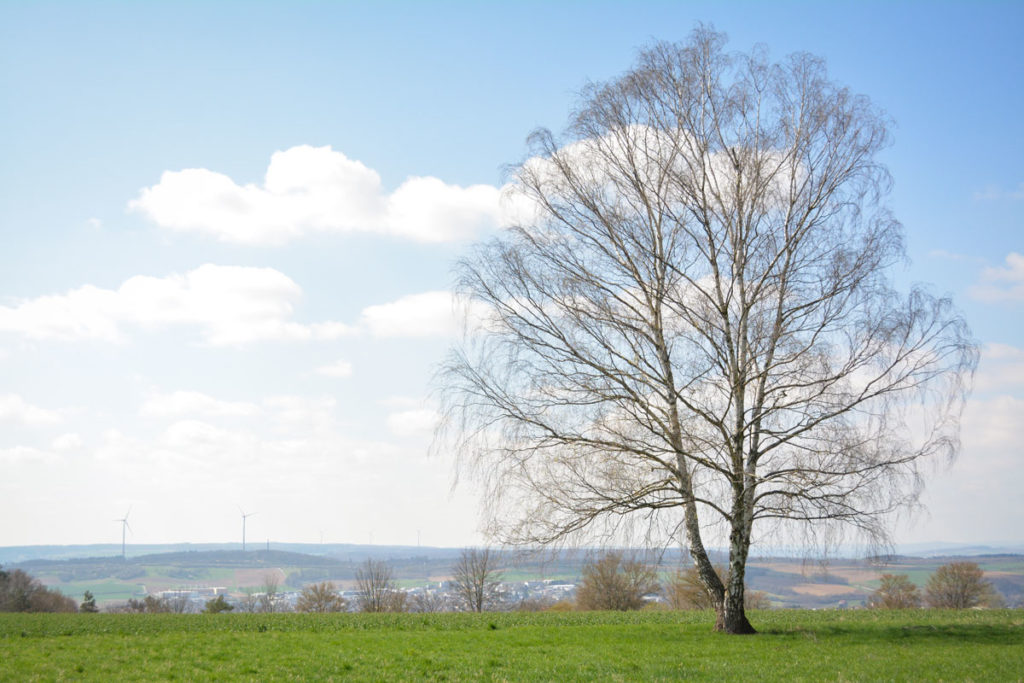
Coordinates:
[124,527]
[244,517]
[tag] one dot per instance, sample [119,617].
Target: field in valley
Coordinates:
[792,645]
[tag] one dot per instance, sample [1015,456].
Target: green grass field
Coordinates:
[793,645]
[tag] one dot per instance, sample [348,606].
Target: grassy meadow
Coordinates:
[792,645]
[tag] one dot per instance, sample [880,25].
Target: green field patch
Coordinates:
[792,645]
[109,590]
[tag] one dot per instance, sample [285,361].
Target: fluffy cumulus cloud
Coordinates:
[426,314]
[992,426]
[338,369]
[1001,370]
[185,403]
[301,414]
[230,305]
[196,429]
[413,423]
[20,455]
[284,414]
[1002,283]
[416,315]
[67,442]
[14,409]
[316,189]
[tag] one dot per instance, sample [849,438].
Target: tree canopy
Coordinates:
[693,328]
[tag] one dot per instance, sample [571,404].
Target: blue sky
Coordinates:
[183,363]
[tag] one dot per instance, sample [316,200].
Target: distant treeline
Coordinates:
[20,592]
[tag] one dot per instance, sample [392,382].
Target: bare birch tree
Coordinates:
[695,322]
[476,578]
[378,591]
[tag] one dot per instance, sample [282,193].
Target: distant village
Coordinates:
[441,596]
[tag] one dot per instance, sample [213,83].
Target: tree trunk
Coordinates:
[733,619]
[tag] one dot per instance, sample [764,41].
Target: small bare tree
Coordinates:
[268,600]
[535,604]
[684,590]
[895,591]
[249,602]
[693,328]
[320,597]
[959,585]
[377,589]
[477,578]
[614,583]
[428,601]
[178,603]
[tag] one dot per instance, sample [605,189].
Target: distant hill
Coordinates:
[253,559]
[343,551]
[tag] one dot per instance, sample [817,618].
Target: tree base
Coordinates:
[737,625]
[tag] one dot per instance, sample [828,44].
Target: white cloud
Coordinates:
[413,423]
[316,189]
[1002,283]
[993,193]
[997,351]
[67,442]
[300,415]
[992,427]
[293,416]
[338,369]
[415,315]
[1001,369]
[231,305]
[400,402]
[183,403]
[427,314]
[254,457]
[18,455]
[14,408]
[203,442]
[953,256]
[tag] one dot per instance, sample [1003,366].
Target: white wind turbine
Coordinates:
[244,517]
[124,528]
